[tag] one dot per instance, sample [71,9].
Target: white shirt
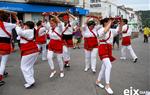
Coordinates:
[9,27]
[42,31]
[105,35]
[53,35]
[28,34]
[86,32]
[69,29]
[124,28]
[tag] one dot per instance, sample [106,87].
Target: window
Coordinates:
[95,1]
[92,1]
[98,1]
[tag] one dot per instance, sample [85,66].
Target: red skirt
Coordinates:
[28,48]
[56,46]
[5,48]
[90,43]
[41,40]
[68,43]
[105,51]
[126,40]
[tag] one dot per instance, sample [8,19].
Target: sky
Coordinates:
[135,4]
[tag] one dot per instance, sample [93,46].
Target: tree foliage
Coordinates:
[145,17]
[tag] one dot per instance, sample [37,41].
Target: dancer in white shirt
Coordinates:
[29,52]
[55,45]
[40,39]
[69,24]
[105,52]
[126,42]
[5,40]
[90,44]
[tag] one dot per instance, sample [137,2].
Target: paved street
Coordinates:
[125,74]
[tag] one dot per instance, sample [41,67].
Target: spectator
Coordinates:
[77,37]
[146,34]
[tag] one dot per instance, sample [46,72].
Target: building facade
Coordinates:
[32,9]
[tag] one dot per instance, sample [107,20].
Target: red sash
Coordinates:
[66,28]
[28,48]
[56,46]
[126,30]
[91,42]
[40,39]
[126,41]
[105,51]
[5,48]
[69,42]
[4,29]
[105,40]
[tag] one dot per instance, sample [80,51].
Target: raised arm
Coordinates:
[107,27]
[120,27]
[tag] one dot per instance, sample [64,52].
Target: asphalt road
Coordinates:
[125,74]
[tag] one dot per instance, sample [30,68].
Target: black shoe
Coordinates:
[5,74]
[67,65]
[2,83]
[135,60]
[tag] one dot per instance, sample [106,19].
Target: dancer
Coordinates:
[68,36]
[90,44]
[105,52]
[41,38]
[55,45]
[126,42]
[29,52]
[5,40]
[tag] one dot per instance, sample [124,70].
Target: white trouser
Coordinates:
[4,59]
[105,70]
[123,52]
[43,46]
[50,55]
[66,53]
[27,63]
[90,58]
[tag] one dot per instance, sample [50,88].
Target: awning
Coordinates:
[24,7]
[20,7]
[80,11]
